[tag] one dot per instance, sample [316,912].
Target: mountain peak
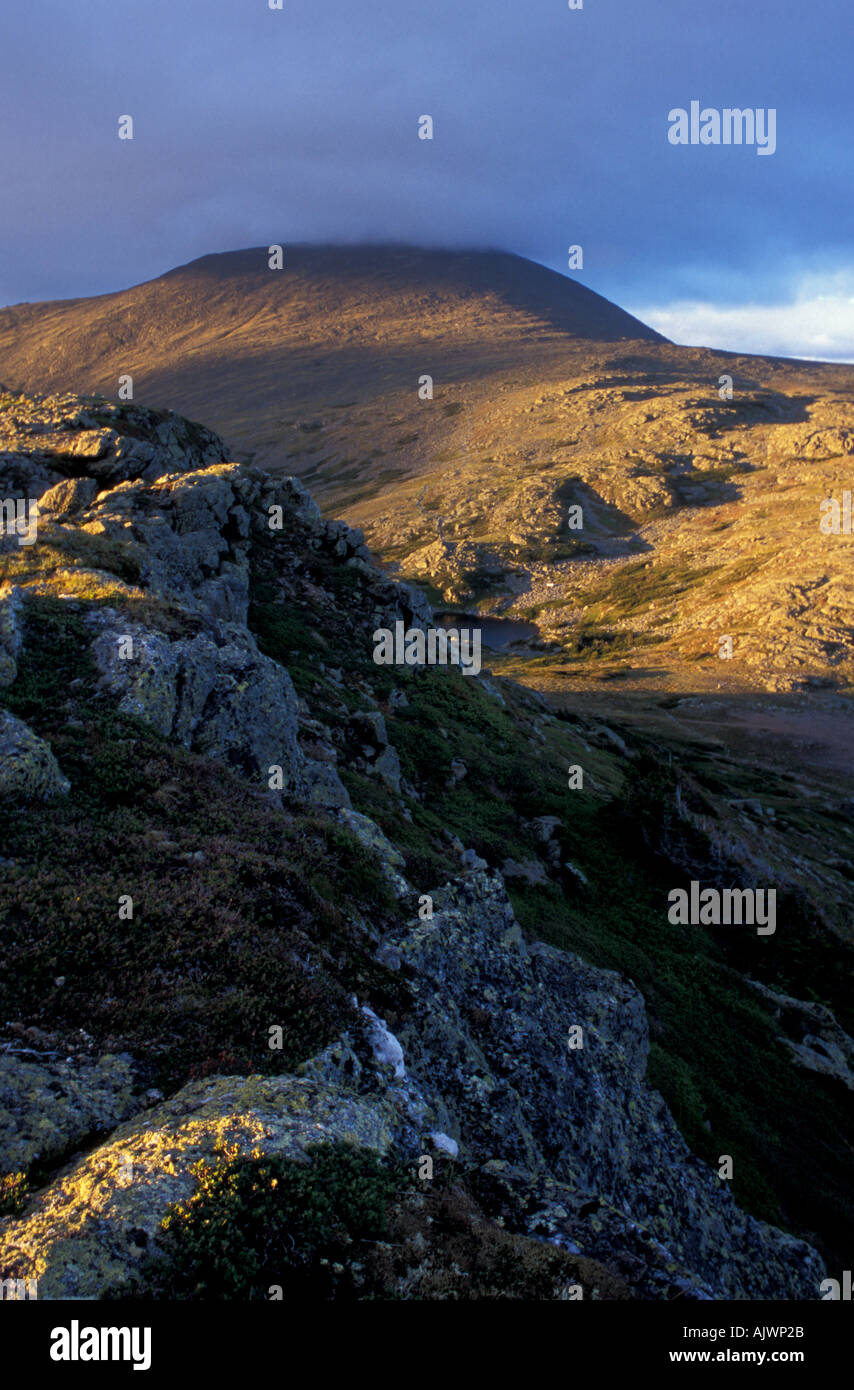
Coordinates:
[519,284]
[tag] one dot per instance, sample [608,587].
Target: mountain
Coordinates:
[637,501]
[324,957]
[237,343]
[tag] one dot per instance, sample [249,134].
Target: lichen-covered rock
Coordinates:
[186,532]
[87,1232]
[225,700]
[323,786]
[493,1040]
[47,1104]
[295,496]
[371,837]
[28,768]
[45,439]
[566,1216]
[160,492]
[368,833]
[387,768]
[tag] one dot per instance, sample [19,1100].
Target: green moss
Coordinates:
[282,631]
[254,1224]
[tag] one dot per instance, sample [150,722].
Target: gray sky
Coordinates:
[254,126]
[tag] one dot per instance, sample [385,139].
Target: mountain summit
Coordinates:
[229,340]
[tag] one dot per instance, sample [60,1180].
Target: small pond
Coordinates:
[496,633]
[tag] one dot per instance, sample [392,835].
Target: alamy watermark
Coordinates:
[18,1290]
[729,126]
[16,520]
[836,518]
[835,1290]
[76,1343]
[724,907]
[438,646]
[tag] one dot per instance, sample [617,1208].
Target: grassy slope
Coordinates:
[229,893]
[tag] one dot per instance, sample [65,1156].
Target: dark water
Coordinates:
[496,633]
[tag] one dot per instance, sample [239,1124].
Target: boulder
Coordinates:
[222,699]
[28,768]
[387,768]
[68,498]
[323,786]
[48,1104]
[370,725]
[88,1231]
[370,835]
[530,870]
[815,1039]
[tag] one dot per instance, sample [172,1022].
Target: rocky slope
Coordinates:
[259,893]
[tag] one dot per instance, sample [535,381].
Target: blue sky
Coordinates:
[254,126]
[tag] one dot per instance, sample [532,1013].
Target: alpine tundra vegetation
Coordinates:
[294,941]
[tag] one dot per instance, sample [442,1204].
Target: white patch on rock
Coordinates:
[384,1045]
[445,1143]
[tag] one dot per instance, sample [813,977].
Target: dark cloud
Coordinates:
[254,126]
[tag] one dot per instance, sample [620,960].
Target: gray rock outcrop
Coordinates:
[28,768]
[488,1043]
[225,700]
